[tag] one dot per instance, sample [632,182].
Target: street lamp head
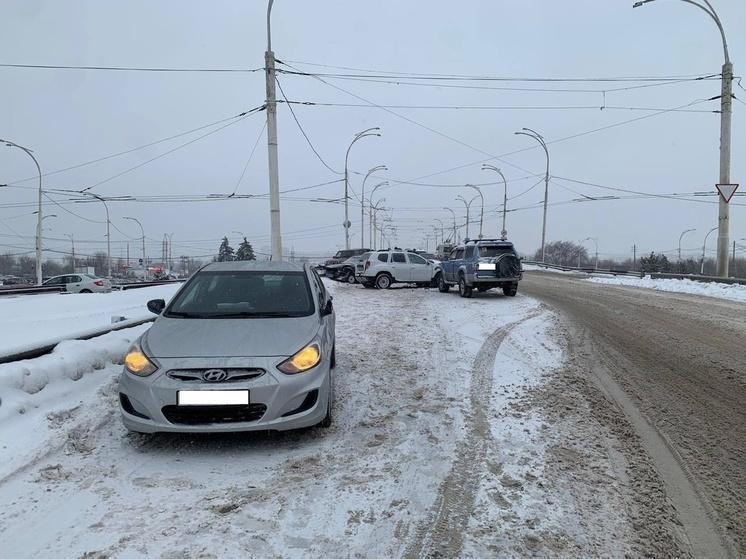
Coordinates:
[640,3]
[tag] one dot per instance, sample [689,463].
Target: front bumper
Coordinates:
[148,400]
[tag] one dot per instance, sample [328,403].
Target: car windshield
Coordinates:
[492,251]
[244,294]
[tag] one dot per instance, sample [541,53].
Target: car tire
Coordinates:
[327,421]
[351,278]
[383,281]
[464,290]
[85,291]
[443,287]
[510,290]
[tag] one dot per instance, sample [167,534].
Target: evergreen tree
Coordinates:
[225,252]
[655,263]
[245,251]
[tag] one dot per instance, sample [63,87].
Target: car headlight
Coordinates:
[137,363]
[307,358]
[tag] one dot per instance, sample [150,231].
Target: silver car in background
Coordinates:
[80,283]
[242,346]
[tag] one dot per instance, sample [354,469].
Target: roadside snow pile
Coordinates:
[29,321]
[719,290]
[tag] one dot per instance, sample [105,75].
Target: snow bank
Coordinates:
[719,290]
[32,320]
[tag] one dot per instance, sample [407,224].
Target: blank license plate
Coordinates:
[212,397]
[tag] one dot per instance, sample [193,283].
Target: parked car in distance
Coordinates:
[242,346]
[343,255]
[482,265]
[345,271]
[383,268]
[80,283]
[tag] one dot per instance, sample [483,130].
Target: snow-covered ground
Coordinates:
[733,292]
[433,451]
[28,321]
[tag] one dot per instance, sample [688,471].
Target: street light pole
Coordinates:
[144,261]
[274,173]
[704,247]
[539,138]
[453,214]
[371,232]
[39,214]
[375,207]
[442,236]
[726,112]
[595,242]
[362,202]
[358,136]
[504,232]
[468,209]
[72,241]
[481,215]
[680,237]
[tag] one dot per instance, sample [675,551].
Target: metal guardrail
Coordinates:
[29,290]
[704,279]
[48,346]
[609,272]
[140,284]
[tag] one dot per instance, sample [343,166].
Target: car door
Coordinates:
[400,267]
[420,270]
[74,283]
[454,261]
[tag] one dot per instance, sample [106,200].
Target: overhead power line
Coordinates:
[130,68]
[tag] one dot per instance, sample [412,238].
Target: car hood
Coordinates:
[234,337]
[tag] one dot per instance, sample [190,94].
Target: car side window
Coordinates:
[383,257]
[74,279]
[320,288]
[470,251]
[452,256]
[398,257]
[459,254]
[415,259]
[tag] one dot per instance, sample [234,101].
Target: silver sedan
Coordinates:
[242,346]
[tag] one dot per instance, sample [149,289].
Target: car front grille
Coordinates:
[205,415]
[233,375]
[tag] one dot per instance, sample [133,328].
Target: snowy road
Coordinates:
[458,432]
[676,365]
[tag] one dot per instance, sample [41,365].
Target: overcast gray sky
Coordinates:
[73,116]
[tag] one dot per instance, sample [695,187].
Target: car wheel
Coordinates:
[463,289]
[510,290]
[351,278]
[327,421]
[443,287]
[85,291]
[383,281]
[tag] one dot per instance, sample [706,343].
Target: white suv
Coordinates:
[386,267]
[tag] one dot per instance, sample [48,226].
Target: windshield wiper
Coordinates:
[247,314]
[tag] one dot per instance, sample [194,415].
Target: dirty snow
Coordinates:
[427,456]
[29,321]
[733,292]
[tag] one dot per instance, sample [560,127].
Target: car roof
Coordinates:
[254,266]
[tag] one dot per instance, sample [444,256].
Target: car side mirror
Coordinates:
[328,308]
[156,306]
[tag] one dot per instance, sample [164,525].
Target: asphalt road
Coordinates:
[675,364]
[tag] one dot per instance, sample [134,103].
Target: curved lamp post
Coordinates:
[375,207]
[39,214]
[362,201]
[704,247]
[468,208]
[359,136]
[481,214]
[144,261]
[539,138]
[371,233]
[453,214]
[682,236]
[485,167]
[726,111]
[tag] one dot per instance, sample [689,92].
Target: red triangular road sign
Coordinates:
[727,191]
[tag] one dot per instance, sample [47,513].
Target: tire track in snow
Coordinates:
[442,534]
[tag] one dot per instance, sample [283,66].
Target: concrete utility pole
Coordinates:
[704,247]
[481,215]
[726,111]
[595,242]
[358,136]
[274,172]
[39,216]
[144,261]
[538,137]
[453,214]
[680,237]
[362,202]
[485,167]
